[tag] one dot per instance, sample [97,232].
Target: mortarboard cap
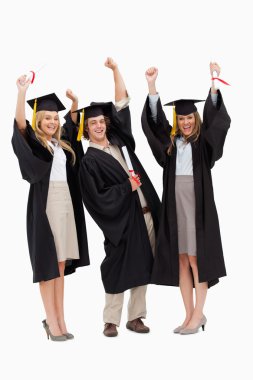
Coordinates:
[184,106]
[95,109]
[48,102]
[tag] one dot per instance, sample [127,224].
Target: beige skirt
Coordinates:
[61,218]
[185,205]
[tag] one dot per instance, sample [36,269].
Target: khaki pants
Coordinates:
[137,300]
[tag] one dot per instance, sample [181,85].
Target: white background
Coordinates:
[73,39]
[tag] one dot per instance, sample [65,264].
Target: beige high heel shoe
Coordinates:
[55,338]
[177,329]
[67,335]
[202,324]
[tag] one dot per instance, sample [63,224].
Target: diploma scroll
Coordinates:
[129,163]
[31,74]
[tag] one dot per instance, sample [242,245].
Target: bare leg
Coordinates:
[186,286]
[59,298]
[47,291]
[201,292]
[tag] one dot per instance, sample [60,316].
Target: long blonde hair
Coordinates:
[43,140]
[192,137]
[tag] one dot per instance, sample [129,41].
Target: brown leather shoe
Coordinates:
[137,326]
[110,330]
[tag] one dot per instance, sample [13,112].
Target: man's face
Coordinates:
[97,129]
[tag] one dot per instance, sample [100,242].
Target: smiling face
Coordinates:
[49,124]
[186,124]
[97,130]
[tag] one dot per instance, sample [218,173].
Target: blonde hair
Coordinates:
[193,136]
[57,135]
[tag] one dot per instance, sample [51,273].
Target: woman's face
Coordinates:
[186,123]
[49,124]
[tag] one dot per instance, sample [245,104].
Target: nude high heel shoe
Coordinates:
[177,329]
[202,324]
[55,338]
[67,335]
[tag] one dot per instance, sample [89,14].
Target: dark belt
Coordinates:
[145,209]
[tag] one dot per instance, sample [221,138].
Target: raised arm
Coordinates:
[214,67]
[151,75]
[120,87]
[70,127]
[20,108]
[216,121]
[74,105]
[154,123]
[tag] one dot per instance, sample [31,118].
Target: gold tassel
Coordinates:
[80,132]
[174,127]
[34,115]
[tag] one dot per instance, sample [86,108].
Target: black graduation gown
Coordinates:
[35,163]
[205,151]
[108,196]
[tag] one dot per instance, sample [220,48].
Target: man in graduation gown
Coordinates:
[205,152]
[125,208]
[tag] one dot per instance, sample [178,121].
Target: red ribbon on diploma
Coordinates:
[33,76]
[221,80]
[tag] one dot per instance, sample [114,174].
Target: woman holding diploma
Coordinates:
[56,228]
[189,250]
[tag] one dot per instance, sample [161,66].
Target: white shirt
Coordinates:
[184,157]
[58,171]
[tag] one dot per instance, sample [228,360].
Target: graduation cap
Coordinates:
[93,110]
[49,102]
[182,107]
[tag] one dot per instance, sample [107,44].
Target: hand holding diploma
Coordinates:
[215,73]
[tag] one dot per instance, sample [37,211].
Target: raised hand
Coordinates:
[151,74]
[22,84]
[214,67]
[71,95]
[110,63]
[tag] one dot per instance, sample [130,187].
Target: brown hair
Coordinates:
[85,129]
[193,136]
[43,140]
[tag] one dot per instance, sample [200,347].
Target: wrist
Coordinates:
[152,88]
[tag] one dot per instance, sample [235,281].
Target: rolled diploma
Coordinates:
[128,161]
[215,82]
[30,76]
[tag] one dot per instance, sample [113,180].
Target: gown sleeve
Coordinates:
[32,167]
[216,123]
[122,127]
[157,133]
[108,205]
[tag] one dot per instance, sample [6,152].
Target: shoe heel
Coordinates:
[203,327]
